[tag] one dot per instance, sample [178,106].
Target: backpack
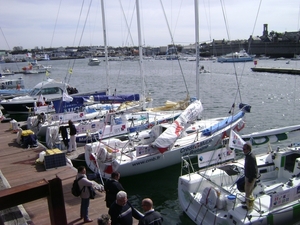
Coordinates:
[75,187]
[92,192]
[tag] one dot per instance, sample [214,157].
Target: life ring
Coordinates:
[209,197]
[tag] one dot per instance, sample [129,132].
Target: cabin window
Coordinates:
[51,91]
[35,91]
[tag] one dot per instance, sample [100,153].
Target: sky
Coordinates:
[62,23]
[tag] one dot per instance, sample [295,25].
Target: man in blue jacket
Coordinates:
[121,211]
[151,217]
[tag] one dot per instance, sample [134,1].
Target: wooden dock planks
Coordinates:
[18,166]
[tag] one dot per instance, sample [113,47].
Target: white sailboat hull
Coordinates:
[145,159]
[276,195]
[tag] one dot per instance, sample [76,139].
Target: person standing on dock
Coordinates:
[121,211]
[112,186]
[72,145]
[151,217]
[84,183]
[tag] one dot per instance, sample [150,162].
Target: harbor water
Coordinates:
[274,99]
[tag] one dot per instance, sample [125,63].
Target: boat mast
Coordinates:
[197,49]
[105,48]
[140,52]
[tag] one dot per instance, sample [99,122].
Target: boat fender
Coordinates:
[102,153]
[209,197]
[221,202]
[19,136]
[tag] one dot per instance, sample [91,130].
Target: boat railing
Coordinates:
[187,165]
[126,150]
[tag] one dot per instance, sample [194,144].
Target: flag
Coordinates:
[67,98]
[235,141]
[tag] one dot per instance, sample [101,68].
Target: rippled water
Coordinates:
[274,99]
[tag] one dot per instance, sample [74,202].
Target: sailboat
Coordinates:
[123,119]
[210,190]
[163,144]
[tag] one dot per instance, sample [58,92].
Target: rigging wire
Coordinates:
[234,66]
[126,22]
[249,45]
[173,43]
[208,18]
[70,65]
[8,45]
[129,35]
[80,39]
[55,24]
[70,69]
[238,81]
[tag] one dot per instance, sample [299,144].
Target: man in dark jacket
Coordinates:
[73,131]
[112,187]
[251,173]
[121,211]
[151,217]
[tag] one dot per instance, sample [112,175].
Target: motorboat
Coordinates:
[36,68]
[6,72]
[45,91]
[212,188]
[15,83]
[11,88]
[162,145]
[261,57]
[94,62]
[241,56]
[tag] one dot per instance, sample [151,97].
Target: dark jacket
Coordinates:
[250,167]
[151,218]
[122,215]
[112,187]
[73,130]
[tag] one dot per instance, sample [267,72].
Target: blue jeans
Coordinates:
[84,208]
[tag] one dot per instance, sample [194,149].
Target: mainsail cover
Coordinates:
[170,135]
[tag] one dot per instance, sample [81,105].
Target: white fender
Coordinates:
[102,153]
[19,136]
[209,197]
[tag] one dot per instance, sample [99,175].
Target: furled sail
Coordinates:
[170,135]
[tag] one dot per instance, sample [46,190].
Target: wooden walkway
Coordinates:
[18,166]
